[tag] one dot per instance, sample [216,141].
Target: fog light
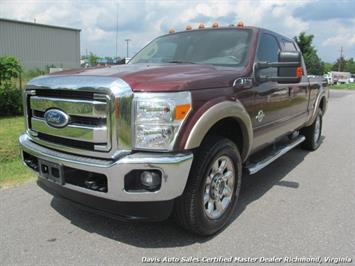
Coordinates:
[151,179]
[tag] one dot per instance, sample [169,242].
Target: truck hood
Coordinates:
[164,77]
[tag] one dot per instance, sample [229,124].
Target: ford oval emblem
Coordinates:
[56,118]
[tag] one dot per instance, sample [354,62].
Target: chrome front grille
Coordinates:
[99,107]
[89,125]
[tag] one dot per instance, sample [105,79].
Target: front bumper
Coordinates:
[175,170]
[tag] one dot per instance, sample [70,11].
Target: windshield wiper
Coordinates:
[180,62]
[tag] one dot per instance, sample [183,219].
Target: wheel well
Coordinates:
[322,104]
[228,128]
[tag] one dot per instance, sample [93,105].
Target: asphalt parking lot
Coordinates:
[303,205]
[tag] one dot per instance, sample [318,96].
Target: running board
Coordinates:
[253,168]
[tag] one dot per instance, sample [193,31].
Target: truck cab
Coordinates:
[171,132]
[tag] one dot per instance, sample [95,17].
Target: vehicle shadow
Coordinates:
[167,233]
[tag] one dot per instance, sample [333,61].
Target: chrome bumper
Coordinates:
[175,170]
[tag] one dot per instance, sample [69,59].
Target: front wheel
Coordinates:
[313,133]
[211,194]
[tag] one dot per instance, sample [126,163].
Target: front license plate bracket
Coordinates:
[51,171]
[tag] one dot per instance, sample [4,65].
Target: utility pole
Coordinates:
[116,31]
[340,59]
[127,41]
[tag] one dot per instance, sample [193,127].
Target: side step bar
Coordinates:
[253,168]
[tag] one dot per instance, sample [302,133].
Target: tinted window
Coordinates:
[268,48]
[218,47]
[268,51]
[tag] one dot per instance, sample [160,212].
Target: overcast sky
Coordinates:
[331,22]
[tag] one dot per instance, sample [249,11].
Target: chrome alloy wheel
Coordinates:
[219,187]
[317,129]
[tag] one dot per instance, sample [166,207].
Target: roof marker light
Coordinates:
[171,30]
[215,25]
[188,27]
[201,26]
[240,24]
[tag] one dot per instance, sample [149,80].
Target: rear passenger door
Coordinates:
[298,92]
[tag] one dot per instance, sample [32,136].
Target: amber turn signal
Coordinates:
[299,72]
[181,111]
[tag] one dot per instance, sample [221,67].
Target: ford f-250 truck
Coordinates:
[171,132]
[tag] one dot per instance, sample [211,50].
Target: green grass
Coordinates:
[12,171]
[350,86]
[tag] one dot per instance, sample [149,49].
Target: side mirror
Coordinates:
[289,68]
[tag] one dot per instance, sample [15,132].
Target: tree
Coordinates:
[350,66]
[328,67]
[313,63]
[10,95]
[93,59]
[344,65]
[339,64]
[10,68]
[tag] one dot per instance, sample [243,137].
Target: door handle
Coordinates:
[243,83]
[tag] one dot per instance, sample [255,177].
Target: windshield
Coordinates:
[218,47]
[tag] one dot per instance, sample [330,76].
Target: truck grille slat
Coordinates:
[83,133]
[83,108]
[76,120]
[67,142]
[66,94]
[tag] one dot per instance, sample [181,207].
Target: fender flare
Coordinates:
[219,111]
[320,96]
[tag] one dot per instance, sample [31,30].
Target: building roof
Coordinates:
[38,24]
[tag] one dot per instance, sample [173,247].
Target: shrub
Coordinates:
[10,96]
[10,99]
[10,68]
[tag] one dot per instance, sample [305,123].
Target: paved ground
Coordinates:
[303,205]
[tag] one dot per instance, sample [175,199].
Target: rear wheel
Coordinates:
[313,133]
[212,191]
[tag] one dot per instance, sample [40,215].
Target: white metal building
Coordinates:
[38,45]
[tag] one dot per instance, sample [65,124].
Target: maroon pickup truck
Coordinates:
[171,132]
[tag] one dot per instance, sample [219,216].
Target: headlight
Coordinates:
[158,118]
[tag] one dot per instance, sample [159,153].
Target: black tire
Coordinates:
[190,210]
[312,143]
